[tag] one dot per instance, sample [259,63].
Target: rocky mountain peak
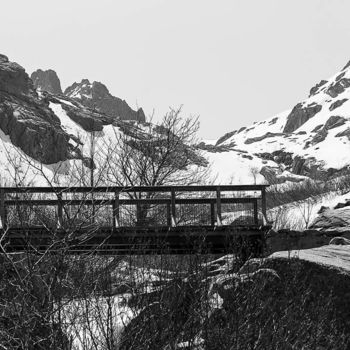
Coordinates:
[97,96]
[14,80]
[47,81]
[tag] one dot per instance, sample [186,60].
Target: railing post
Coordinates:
[255,208]
[218,207]
[60,210]
[263,204]
[116,210]
[168,215]
[212,214]
[3,209]
[173,208]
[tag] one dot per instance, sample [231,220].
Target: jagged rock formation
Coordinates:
[30,124]
[96,96]
[46,81]
[300,115]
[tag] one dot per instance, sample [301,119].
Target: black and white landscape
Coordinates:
[111,213]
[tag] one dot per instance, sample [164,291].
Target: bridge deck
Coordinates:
[138,220]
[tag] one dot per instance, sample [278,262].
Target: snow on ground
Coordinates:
[89,322]
[330,255]
[298,215]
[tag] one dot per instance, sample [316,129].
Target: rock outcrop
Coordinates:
[47,81]
[337,104]
[299,115]
[314,90]
[30,124]
[14,80]
[338,87]
[96,96]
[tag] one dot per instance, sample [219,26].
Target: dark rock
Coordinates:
[89,120]
[241,129]
[332,218]
[35,129]
[337,88]
[315,89]
[319,137]
[346,66]
[260,138]
[282,157]
[342,205]
[302,133]
[300,115]
[47,81]
[96,96]
[215,148]
[317,128]
[30,124]
[337,104]
[225,137]
[247,156]
[273,175]
[345,133]
[322,209]
[273,121]
[339,76]
[334,121]
[14,80]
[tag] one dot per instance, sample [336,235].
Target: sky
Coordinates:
[230,62]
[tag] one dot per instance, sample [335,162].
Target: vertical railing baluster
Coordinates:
[173,208]
[263,205]
[255,208]
[168,215]
[116,210]
[3,209]
[212,214]
[60,210]
[218,206]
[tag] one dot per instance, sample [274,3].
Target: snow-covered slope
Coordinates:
[312,139]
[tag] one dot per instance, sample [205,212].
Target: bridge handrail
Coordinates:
[116,201]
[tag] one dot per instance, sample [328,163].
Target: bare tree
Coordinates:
[156,154]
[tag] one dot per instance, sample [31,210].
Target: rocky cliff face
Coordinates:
[30,124]
[96,96]
[47,81]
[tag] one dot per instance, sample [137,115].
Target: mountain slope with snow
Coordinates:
[312,139]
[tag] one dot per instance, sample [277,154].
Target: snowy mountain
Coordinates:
[54,130]
[93,95]
[48,138]
[312,139]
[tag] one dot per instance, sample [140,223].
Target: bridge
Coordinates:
[133,220]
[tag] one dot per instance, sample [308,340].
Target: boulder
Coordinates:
[332,219]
